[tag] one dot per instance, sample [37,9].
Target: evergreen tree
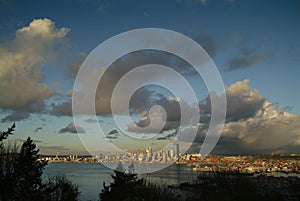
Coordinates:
[29,173]
[5,134]
[20,175]
[124,187]
[8,159]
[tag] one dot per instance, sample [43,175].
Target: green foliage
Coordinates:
[61,189]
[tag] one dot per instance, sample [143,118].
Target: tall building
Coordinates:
[177,151]
[172,153]
[149,152]
[164,156]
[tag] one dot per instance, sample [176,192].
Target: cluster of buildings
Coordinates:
[69,158]
[284,163]
[147,156]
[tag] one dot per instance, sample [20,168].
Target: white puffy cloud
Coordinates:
[22,86]
[254,125]
[269,129]
[242,101]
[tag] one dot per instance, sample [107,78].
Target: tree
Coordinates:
[61,189]
[9,131]
[124,187]
[8,158]
[29,172]
[21,175]
[127,187]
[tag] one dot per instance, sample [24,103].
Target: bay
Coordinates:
[90,176]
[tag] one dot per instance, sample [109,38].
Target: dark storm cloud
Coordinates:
[141,99]
[245,61]
[15,116]
[173,116]
[61,109]
[70,128]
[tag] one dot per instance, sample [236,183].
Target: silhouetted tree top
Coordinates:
[30,168]
[124,186]
[9,131]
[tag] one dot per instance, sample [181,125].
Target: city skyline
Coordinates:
[254,45]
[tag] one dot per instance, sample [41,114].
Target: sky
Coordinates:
[254,45]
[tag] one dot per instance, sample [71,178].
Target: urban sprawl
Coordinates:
[272,163]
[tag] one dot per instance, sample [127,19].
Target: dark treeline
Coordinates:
[21,180]
[207,187]
[21,175]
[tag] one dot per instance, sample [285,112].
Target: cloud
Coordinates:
[172,119]
[267,130]
[141,100]
[111,137]
[38,128]
[15,116]
[245,61]
[22,84]
[61,109]
[253,125]
[71,128]
[113,132]
[242,102]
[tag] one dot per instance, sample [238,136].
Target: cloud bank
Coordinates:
[254,125]
[22,85]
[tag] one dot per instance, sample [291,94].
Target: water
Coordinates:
[90,176]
